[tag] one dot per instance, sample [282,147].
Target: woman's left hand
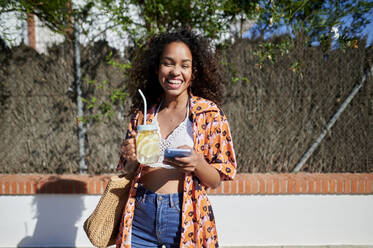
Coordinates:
[186,164]
[196,164]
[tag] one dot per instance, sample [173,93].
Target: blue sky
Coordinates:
[368,31]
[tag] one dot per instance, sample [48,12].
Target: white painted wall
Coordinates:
[13,28]
[295,219]
[56,220]
[44,37]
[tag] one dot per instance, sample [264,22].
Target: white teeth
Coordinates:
[174,81]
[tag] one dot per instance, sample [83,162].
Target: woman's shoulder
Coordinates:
[202,105]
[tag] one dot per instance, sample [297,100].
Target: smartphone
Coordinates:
[177,152]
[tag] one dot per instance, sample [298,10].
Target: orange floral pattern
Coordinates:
[212,138]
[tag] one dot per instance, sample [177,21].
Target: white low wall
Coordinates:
[56,220]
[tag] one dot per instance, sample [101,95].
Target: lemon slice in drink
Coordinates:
[147,144]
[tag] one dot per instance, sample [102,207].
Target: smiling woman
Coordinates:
[182,81]
[175,70]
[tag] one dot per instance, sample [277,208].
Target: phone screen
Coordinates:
[177,152]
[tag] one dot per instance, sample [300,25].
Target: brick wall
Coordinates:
[299,183]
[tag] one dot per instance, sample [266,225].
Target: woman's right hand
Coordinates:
[128,152]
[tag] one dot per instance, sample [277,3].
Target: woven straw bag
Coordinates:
[102,225]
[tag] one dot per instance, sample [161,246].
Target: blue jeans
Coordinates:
[157,219]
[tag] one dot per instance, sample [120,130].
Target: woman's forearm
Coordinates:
[208,175]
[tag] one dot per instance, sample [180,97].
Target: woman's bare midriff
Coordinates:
[161,180]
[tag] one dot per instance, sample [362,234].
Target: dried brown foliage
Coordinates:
[38,118]
[275,113]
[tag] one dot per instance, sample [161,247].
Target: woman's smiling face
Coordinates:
[175,69]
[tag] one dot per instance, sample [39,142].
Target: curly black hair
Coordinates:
[208,75]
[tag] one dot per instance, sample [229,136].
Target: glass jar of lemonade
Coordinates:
[147,144]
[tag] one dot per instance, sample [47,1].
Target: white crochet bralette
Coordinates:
[181,135]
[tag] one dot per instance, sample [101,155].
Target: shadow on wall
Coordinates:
[56,217]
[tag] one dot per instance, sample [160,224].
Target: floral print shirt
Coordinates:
[212,138]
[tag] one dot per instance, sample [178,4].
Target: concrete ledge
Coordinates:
[254,210]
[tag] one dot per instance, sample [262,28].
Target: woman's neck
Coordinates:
[178,102]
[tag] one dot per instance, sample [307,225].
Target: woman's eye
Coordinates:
[166,64]
[185,66]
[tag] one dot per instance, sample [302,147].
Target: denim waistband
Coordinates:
[145,194]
